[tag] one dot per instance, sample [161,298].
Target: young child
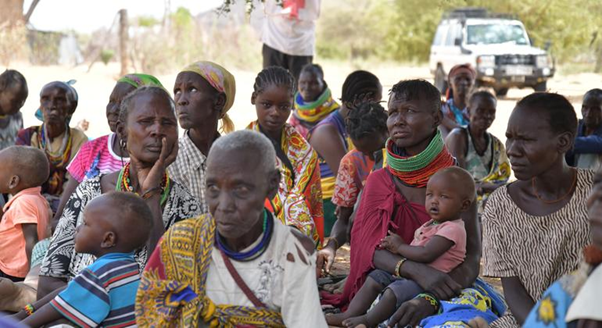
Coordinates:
[13,93]
[313,100]
[26,215]
[298,202]
[440,242]
[115,224]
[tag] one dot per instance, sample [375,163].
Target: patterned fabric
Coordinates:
[536,249]
[353,172]
[96,157]
[328,179]
[492,167]
[137,80]
[102,294]
[189,170]
[481,300]
[186,282]
[33,136]
[9,127]
[299,199]
[317,110]
[222,81]
[63,262]
[460,116]
[38,252]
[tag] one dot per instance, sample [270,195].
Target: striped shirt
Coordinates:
[189,169]
[103,294]
[96,157]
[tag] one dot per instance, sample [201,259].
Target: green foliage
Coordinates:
[106,55]
[403,30]
[249,4]
[182,18]
[147,21]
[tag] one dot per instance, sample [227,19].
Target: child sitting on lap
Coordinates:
[440,242]
[115,225]
[24,218]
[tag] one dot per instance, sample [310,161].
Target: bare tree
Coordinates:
[11,12]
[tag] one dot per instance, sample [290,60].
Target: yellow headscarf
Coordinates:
[222,81]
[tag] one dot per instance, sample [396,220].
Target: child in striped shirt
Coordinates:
[115,225]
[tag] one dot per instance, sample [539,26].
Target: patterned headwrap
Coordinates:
[222,81]
[72,94]
[137,80]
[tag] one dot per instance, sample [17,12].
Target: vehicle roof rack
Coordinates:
[475,12]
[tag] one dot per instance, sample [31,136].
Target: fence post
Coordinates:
[123,41]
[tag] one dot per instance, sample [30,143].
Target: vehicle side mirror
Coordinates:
[547,45]
[458,42]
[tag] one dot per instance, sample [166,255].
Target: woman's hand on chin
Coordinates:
[149,179]
[410,313]
[436,282]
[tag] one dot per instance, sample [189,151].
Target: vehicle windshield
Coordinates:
[496,34]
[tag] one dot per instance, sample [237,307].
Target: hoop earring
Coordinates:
[122,144]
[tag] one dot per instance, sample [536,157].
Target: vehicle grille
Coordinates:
[514,60]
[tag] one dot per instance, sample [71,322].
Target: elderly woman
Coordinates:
[393,200]
[455,113]
[535,228]
[61,143]
[148,127]
[104,154]
[478,151]
[204,93]
[238,266]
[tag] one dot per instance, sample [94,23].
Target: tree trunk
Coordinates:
[123,41]
[11,12]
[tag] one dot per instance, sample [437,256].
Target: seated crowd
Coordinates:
[223,228]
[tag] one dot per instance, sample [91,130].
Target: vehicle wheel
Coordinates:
[440,82]
[501,92]
[541,86]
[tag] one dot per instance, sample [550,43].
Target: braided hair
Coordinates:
[370,117]
[359,84]
[274,75]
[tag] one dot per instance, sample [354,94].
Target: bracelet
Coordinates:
[29,309]
[431,299]
[148,194]
[398,267]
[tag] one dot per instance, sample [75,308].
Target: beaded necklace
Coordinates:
[255,252]
[416,170]
[124,184]
[61,157]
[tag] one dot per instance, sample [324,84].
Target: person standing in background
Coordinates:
[288,33]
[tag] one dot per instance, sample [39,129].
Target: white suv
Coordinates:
[497,46]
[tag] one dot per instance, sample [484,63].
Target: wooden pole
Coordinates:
[123,41]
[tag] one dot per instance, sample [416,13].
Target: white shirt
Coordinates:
[289,30]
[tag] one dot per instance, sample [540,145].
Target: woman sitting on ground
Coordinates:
[330,140]
[461,79]
[535,228]
[148,127]
[478,151]
[393,199]
[313,100]
[299,199]
[61,143]
[204,93]
[105,154]
[238,266]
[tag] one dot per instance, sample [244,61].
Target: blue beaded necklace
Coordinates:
[255,252]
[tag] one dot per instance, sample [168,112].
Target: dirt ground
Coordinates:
[95,86]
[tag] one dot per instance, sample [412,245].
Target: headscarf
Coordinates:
[71,92]
[222,81]
[458,69]
[138,79]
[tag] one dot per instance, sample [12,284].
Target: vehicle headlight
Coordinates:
[542,61]
[486,61]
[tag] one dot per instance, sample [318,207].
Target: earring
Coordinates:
[122,144]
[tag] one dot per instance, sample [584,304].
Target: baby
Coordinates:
[440,242]
[115,225]
[25,216]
